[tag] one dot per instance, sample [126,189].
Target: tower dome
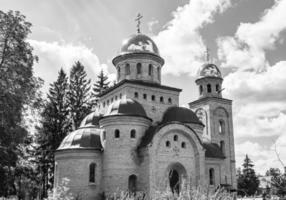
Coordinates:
[91,119]
[139,43]
[209,70]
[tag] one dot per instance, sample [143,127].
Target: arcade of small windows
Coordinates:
[175,138]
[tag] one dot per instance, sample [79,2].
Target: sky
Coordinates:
[246,39]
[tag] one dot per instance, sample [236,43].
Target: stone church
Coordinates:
[140,140]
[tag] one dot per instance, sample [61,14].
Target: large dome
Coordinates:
[139,43]
[126,107]
[91,119]
[82,138]
[209,70]
[180,114]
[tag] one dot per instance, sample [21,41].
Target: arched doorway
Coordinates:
[174,181]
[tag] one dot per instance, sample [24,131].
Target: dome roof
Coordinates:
[91,119]
[126,107]
[180,114]
[209,70]
[139,43]
[82,138]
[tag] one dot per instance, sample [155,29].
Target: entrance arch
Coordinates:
[177,177]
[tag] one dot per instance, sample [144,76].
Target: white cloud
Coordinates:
[181,44]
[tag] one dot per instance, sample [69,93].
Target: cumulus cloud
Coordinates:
[181,43]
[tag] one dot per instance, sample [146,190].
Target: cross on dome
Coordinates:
[138,18]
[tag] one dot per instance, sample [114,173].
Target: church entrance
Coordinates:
[174,181]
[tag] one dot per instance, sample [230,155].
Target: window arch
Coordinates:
[136,94]
[169,100]
[139,68]
[175,137]
[153,97]
[183,145]
[211,176]
[162,99]
[127,69]
[221,127]
[150,71]
[92,169]
[132,183]
[222,147]
[168,144]
[117,133]
[209,87]
[133,133]
[201,89]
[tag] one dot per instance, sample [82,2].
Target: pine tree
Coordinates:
[79,96]
[247,182]
[100,86]
[55,125]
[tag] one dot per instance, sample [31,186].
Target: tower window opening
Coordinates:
[162,99]
[183,145]
[132,182]
[221,127]
[169,100]
[211,176]
[209,88]
[118,71]
[150,71]
[136,94]
[92,168]
[175,138]
[139,68]
[117,133]
[168,144]
[217,88]
[144,96]
[127,68]
[201,89]
[222,147]
[153,97]
[132,133]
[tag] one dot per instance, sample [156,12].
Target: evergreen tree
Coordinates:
[247,181]
[55,125]
[100,85]
[18,91]
[79,96]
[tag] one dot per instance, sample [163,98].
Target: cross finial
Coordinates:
[139,16]
[207,54]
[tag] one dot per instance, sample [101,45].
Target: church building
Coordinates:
[140,140]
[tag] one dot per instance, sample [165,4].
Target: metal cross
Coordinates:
[139,16]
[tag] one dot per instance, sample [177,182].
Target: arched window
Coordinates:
[136,94]
[222,147]
[183,145]
[153,97]
[92,169]
[217,87]
[211,176]
[162,99]
[111,99]
[209,88]
[150,71]
[169,100]
[168,144]
[175,138]
[221,127]
[201,89]
[144,96]
[117,133]
[127,69]
[133,133]
[104,135]
[132,182]
[139,68]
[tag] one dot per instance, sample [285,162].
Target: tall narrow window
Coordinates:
[168,144]
[209,88]
[127,68]
[118,71]
[222,147]
[132,133]
[139,68]
[104,135]
[92,168]
[201,89]
[132,182]
[150,71]
[158,72]
[162,99]
[217,87]
[221,127]
[153,97]
[144,96]
[169,100]
[183,145]
[117,133]
[211,176]
[175,138]
[136,94]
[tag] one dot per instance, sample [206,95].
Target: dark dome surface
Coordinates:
[126,107]
[82,138]
[91,119]
[209,70]
[139,43]
[180,114]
